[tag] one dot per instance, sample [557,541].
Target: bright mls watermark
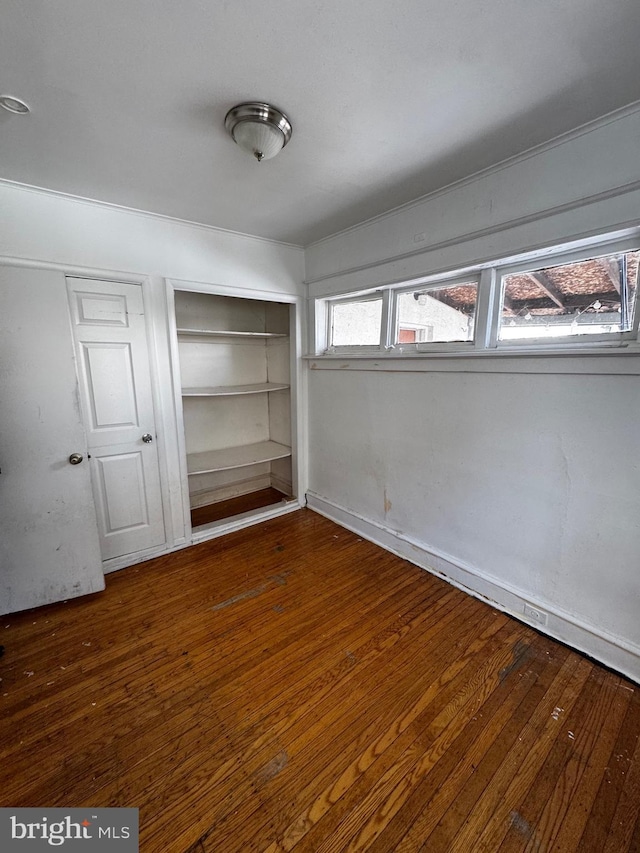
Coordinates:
[104,830]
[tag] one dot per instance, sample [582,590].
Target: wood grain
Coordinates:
[235,506]
[291,687]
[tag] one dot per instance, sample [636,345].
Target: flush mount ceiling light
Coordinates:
[14,105]
[258,128]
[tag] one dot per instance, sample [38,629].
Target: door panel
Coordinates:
[100,309]
[49,548]
[121,508]
[111,395]
[115,384]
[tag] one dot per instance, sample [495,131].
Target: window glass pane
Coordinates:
[437,315]
[356,323]
[596,297]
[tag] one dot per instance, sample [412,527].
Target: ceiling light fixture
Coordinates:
[14,105]
[258,128]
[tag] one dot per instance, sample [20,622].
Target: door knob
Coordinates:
[76,458]
[147,437]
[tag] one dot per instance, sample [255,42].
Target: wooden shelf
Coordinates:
[210,333]
[232,390]
[235,457]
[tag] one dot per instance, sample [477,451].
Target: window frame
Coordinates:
[617,247]
[369,296]
[489,278]
[433,346]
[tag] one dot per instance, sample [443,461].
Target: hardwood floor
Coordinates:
[292,687]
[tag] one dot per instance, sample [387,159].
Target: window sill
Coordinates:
[603,359]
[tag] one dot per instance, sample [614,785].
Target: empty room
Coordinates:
[319,407]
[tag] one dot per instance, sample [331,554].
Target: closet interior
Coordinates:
[235,376]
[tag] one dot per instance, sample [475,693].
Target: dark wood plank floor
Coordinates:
[292,687]
[235,506]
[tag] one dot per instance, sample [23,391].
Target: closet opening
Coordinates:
[235,375]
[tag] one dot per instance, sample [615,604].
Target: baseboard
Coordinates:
[204,497]
[609,650]
[281,485]
[114,564]
[211,531]
[246,519]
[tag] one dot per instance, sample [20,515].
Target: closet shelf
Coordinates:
[235,457]
[232,390]
[210,333]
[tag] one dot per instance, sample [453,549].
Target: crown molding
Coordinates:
[479,233]
[148,214]
[562,139]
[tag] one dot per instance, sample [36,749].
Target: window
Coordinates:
[436,315]
[595,296]
[356,322]
[584,297]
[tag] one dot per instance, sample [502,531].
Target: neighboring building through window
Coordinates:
[356,323]
[439,315]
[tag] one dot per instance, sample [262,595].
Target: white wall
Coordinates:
[61,229]
[523,487]
[53,230]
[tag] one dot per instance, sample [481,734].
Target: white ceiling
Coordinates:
[389,99]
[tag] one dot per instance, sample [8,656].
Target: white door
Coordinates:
[49,548]
[115,394]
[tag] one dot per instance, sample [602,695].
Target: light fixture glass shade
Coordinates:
[260,139]
[258,128]
[14,105]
